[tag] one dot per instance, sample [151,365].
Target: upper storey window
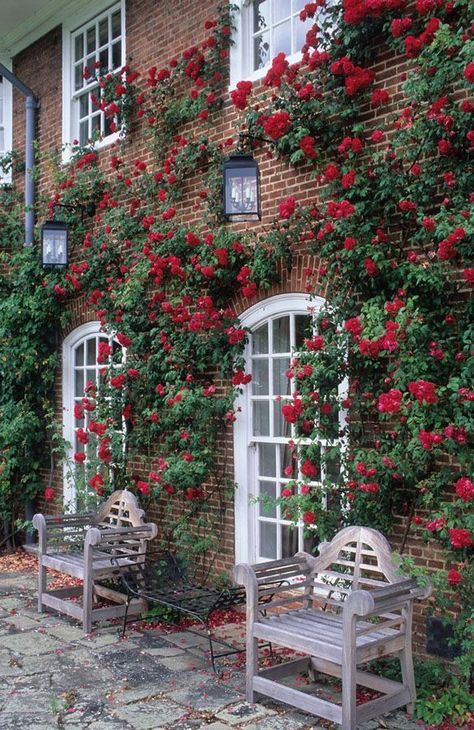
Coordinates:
[265,28]
[96,47]
[5,126]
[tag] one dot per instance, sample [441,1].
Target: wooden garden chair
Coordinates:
[90,547]
[343,608]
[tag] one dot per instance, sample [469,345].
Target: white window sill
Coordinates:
[260,73]
[97,146]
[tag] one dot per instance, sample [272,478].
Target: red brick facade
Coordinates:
[157,31]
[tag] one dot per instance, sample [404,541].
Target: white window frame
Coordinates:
[242,49]
[244,441]
[7,104]
[92,12]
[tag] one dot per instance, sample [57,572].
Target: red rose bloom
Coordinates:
[309,518]
[454,577]
[287,208]
[460,538]
[277,125]
[464,489]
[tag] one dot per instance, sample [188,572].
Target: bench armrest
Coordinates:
[61,528]
[382,600]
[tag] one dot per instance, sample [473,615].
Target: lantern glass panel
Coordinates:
[241,191]
[54,245]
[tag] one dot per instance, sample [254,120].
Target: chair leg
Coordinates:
[408,676]
[252,667]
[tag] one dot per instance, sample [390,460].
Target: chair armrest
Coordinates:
[382,600]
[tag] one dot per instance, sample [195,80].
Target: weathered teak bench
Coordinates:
[344,608]
[89,547]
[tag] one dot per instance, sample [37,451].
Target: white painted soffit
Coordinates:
[22,22]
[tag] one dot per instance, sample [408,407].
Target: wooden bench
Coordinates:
[90,547]
[343,608]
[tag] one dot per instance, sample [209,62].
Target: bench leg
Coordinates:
[87,603]
[41,584]
[408,676]
[348,676]
[252,666]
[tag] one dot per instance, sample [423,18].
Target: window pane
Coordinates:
[260,340]
[267,489]
[117,55]
[298,5]
[261,51]
[78,47]
[2,140]
[104,59]
[91,375]
[281,384]
[103,31]
[261,14]
[282,39]
[78,77]
[83,132]
[281,334]
[80,355]
[261,419]
[260,377]
[310,542]
[83,106]
[268,540]
[302,329]
[289,541]
[91,42]
[91,352]
[116,25]
[281,9]
[266,460]
[95,124]
[301,29]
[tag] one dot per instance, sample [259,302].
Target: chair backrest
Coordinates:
[356,558]
[121,510]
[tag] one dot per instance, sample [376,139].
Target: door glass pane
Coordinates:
[268,540]
[289,541]
[260,340]
[281,383]
[79,382]
[267,489]
[83,132]
[281,334]
[260,377]
[91,352]
[91,375]
[83,106]
[261,419]
[310,542]
[95,124]
[104,59]
[280,426]
[287,463]
[80,355]
[301,31]
[78,77]
[302,329]
[266,460]
[282,39]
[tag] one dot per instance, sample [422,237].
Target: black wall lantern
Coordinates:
[54,240]
[241,188]
[55,237]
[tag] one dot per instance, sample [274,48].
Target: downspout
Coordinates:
[31,105]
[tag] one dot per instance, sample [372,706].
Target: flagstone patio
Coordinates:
[51,676]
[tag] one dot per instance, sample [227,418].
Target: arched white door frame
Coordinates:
[245,528]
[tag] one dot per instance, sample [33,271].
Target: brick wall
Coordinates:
[156,32]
